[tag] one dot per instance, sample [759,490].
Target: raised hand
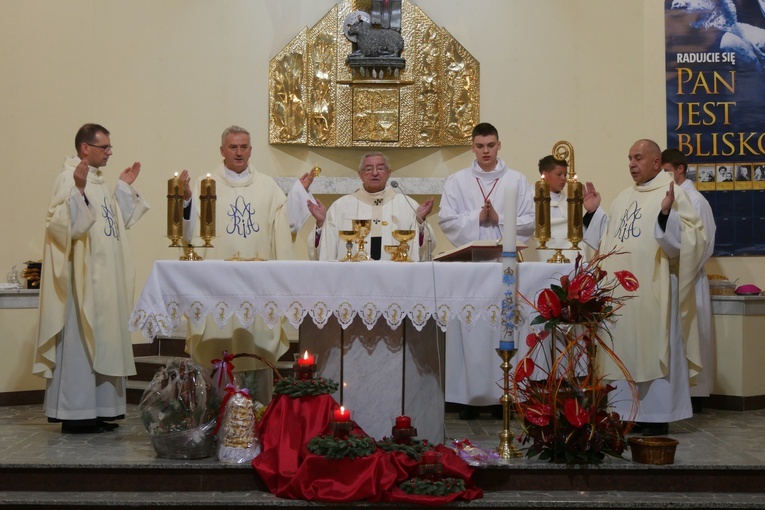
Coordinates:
[306,180]
[318,211]
[81,175]
[186,183]
[669,199]
[425,208]
[130,174]
[591,198]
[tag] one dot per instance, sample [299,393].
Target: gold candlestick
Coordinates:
[542,206]
[207,199]
[506,449]
[174,211]
[575,223]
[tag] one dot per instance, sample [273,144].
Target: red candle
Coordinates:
[403,422]
[341,414]
[307,359]
[429,457]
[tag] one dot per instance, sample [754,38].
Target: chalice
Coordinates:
[348,236]
[392,250]
[403,237]
[362,228]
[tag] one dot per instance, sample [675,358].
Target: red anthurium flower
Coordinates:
[628,280]
[534,338]
[575,414]
[524,369]
[582,288]
[539,414]
[548,304]
[564,281]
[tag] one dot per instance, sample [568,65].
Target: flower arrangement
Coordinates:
[565,413]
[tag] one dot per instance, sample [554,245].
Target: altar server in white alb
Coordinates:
[387,209]
[663,238]
[675,162]
[84,349]
[472,208]
[252,222]
[554,172]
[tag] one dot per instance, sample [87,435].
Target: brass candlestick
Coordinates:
[575,214]
[506,448]
[542,207]
[207,199]
[174,211]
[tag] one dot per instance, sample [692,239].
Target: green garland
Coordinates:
[352,447]
[425,487]
[387,444]
[295,388]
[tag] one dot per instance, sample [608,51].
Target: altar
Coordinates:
[388,317]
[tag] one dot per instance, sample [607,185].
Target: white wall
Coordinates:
[166,77]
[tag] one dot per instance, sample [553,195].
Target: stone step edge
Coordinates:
[491,499]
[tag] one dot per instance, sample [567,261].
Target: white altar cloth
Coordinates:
[467,292]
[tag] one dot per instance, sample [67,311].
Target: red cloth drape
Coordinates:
[291,471]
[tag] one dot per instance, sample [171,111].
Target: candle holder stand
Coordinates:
[190,254]
[430,466]
[506,449]
[304,372]
[340,429]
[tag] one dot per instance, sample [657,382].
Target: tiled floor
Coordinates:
[712,438]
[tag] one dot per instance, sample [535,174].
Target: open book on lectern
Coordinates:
[476,251]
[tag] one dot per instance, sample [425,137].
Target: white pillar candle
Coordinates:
[510,215]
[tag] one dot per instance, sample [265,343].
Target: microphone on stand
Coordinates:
[396,185]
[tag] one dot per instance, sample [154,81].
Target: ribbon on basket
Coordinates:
[223,367]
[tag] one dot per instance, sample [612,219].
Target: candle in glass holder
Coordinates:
[341,425]
[305,366]
[306,359]
[174,210]
[207,205]
[575,213]
[542,206]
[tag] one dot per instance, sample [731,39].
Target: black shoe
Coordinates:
[108,427]
[81,427]
[469,413]
[697,404]
[497,412]
[654,429]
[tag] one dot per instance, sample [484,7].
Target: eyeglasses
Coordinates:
[102,147]
[379,168]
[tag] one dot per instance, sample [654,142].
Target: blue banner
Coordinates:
[715,63]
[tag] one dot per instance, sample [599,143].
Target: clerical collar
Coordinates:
[235,177]
[491,175]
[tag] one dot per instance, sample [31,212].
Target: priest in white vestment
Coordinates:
[251,222]
[387,209]
[472,206]
[675,162]
[84,348]
[662,237]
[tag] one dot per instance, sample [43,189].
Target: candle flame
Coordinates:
[176,174]
[542,177]
[208,176]
[305,355]
[342,410]
[574,176]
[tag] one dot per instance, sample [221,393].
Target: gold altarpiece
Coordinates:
[317,99]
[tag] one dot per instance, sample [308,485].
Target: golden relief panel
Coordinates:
[318,97]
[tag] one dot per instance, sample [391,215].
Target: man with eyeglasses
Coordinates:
[86,289]
[375,201]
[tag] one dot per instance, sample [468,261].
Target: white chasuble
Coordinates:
[250,222]
[641,334]
[87,262]
[387,210]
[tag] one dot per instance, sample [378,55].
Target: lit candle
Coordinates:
[341,415]
[510,215]
[174,210]
[306,359]
[575,200]
[403,422]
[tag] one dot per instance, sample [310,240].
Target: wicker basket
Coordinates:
[653,450]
